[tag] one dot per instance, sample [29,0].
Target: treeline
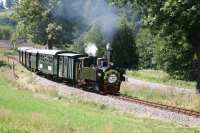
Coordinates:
[5,32]
[7,25]
[143,34]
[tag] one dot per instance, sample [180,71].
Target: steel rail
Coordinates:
[159,106]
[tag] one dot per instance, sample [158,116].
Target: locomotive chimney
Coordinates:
[109,53]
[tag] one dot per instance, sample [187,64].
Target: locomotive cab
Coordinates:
[89,61]
[102,63]
[88,71]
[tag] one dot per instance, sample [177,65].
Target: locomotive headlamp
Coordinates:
[112,78]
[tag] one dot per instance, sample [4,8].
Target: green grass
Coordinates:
[22,111]
[8,53]
[161,77]
[170,98]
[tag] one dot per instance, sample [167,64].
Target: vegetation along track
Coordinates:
[146,103]
[158,105]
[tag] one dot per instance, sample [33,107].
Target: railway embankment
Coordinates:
[58,108]
[37,84]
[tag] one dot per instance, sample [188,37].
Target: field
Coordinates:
[158,76]
[23,111]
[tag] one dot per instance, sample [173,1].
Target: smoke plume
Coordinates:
[91,49]
[89,12]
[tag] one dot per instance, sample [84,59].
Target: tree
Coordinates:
[178,21]
[1,5]
[94,35]
[36,19]
[124,47]
[31,20]
[146,44]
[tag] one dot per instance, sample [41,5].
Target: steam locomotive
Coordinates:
[98,74]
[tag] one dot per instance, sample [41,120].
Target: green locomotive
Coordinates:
[76,69]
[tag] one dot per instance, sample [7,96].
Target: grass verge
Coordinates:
[4,52]
[158,76]
[169,98]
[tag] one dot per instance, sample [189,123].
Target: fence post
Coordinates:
[8,59]
[13,68]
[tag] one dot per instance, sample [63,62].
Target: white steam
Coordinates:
[91,49]
[90,12]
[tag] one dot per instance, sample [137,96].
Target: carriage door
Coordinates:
[61,67]
[78,69]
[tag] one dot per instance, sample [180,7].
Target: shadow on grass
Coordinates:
[3,64]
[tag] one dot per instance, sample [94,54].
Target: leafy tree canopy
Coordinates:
[178,21]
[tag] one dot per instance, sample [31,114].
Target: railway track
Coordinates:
[158,105]
[146,103]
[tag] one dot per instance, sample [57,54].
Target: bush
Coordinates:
[5,32]
[145,42]
[178,60]
[93,35]
[124,48]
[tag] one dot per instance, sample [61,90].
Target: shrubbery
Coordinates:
[5,32]
[124,47]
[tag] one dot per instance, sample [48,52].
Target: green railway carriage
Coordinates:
[23,55]
[27,59]
[48,61]
[32,62]
[69,67]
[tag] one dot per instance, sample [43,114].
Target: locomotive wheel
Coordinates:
[109,89]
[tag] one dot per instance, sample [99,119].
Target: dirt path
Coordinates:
[5,44]
[161,87]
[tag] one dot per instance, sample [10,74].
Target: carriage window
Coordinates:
[104,63]
[46,58]
[87,63]
[90,62]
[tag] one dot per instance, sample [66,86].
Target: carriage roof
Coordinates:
[50,52]
[69,54]
[35,51]
[23,48]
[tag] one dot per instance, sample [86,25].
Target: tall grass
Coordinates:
[164,97]
[159,76]
[4,53]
